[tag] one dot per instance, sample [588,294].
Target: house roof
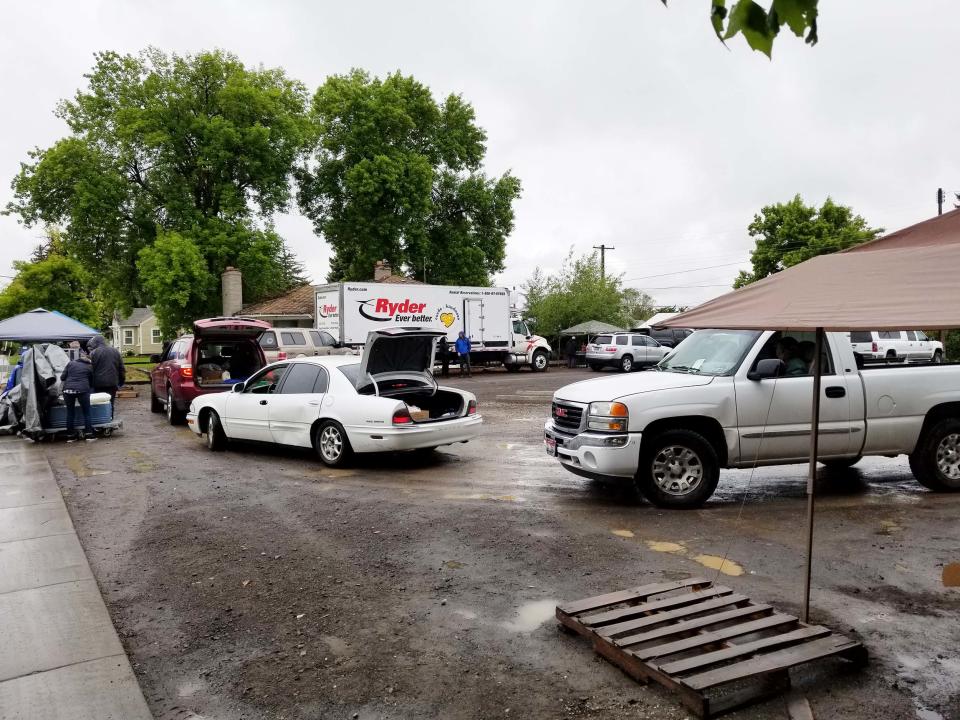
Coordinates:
[299,301]
[136,317]
[399,280]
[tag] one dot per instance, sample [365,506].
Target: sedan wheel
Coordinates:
[216,438]
[331,443]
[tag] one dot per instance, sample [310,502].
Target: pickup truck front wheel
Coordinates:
[678,469]
[936,460]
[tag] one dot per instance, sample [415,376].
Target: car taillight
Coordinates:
[186,371]
[612,348]
[281,355]
[875,348]
[402,417]
[472,407]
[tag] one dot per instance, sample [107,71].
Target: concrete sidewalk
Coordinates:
[60,657]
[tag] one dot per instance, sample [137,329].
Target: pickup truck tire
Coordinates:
[936,460]
[678,469]
[938,357]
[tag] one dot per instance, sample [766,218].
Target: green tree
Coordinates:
[637,307]
[789,233]
[53,283]
[197,144]
[760,27]
[580,292]
[174,271]
[398,176]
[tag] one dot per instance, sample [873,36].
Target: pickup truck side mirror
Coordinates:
[769,368]
[238,387]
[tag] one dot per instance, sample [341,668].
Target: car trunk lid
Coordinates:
[233,328]
[397,353]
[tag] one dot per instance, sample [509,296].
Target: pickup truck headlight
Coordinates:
[607,417]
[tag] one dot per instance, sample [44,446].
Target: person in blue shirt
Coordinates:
[463,352]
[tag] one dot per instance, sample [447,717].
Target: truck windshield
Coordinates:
[710,352]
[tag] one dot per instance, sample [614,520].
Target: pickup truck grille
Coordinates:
[567,416]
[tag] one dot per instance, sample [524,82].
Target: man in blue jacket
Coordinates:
[463,352]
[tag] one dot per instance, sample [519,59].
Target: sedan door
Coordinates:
[295,407]
[248,412]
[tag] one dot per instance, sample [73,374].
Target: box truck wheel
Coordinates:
[540,361]
[512,367]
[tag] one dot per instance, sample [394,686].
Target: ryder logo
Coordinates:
[383,310]
[326,311]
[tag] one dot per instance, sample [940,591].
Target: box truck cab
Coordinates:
[350,311]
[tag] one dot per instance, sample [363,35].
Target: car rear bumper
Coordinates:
[602,359]
[413,437]
[595,454]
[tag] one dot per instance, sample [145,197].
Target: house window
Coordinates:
[128,337]
[155,336]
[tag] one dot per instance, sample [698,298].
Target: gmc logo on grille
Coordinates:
[560,412]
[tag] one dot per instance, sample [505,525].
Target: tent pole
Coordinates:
[812,476]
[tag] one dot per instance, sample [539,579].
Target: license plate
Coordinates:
[551,446]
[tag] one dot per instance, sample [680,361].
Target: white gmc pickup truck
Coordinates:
[739,398]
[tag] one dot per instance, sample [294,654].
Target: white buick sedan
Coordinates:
[387,400]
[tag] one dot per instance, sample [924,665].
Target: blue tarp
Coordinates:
[41,325]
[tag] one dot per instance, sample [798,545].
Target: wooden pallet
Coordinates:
[715,647]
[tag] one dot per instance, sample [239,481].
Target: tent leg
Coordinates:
[812,476]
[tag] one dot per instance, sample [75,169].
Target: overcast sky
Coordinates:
[628,123]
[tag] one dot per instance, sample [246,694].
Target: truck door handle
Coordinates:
[264,402]
[836,391]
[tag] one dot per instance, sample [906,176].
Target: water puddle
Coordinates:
[951,575]
[925,713]
[468,614]
[666,546]
[714,562]
[532,615]
[888,527]
[484,496]
[336,645]
[80,468]
[622,533]
[453,564]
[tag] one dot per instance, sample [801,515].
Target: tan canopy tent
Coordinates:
[907,279]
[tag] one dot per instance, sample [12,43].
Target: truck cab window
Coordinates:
[796,350]
[520,328]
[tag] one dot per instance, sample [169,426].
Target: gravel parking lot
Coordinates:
[256,583]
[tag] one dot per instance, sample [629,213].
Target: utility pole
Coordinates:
[939,201]
[603,258]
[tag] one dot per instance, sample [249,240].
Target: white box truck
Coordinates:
[350,310]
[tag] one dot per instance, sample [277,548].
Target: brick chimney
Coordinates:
[381,270]
[232,291]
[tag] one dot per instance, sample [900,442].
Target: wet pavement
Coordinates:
[257,583]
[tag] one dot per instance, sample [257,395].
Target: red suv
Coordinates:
[220,352]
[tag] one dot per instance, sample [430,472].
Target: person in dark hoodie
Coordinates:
[77,380]
[108,370]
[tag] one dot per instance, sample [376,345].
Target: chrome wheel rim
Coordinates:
[948,456]
[169,405]
[331,444]
[540,361]
[677,470]
[211,429]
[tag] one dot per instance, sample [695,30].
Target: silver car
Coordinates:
[625,351]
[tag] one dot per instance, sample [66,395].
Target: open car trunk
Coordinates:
[220,364]
[442,405]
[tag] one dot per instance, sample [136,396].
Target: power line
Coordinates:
[689,270]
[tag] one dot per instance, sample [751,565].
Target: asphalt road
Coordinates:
[256,583]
